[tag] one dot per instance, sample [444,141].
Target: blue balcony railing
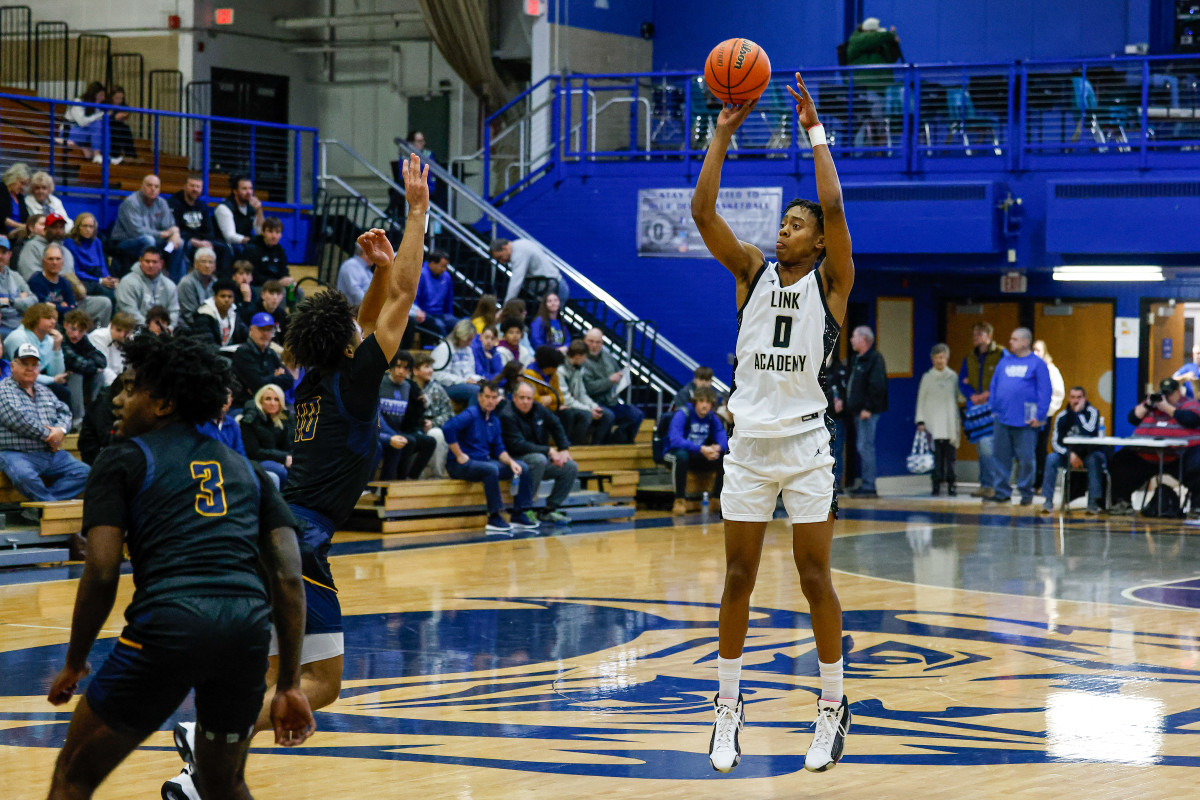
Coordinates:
[912,118]
[280,159]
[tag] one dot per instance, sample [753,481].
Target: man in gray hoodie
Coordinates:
[15,296]
[145,286]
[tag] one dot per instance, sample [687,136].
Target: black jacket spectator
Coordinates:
[867,384]
[1076,423]
[82,357]
[531,433]
[262,438]
[209,328]
[194,222]
[254,368]
[270,262]
[98,425]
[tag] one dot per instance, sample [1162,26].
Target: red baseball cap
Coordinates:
[53,218]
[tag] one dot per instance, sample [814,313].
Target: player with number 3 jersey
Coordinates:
[789,314]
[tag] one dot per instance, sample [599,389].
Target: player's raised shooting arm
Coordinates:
[740,258]
[405,271]
[838,269]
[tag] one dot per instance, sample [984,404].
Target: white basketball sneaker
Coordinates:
[185,742]
[724,747]
[833,723]
[181,787]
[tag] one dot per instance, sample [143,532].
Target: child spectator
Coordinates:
[488,361]
[696,441]
[158,321]
[217,320]
[39,327]
[270,301]
[111,342]
[84,363]
[938,399]
[267,255]
[547,328]
[406,448]
[87,126]
[243,276]
[456,363]
[437,410]
[484,315]
[575,395]
[513,345]
[267,432]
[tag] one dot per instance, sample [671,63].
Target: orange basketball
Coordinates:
[737,71]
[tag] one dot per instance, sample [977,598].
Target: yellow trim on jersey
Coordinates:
[132,644]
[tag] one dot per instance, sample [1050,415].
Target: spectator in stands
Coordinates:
[111,342]
[835,394]
[268,256]
[437,410]
[145,286]
[270,301]
[484,315]
[120,137]
[158,321]
[87,124]
[145,220]
[197,285]
[1167,414]
[570,381]
[1079,418]
[267,431]
[866,399]
[41,199]
[83,361]
[48,286]
[405,447]
[1020,395]
[526,259]
[513,309]
[601,374]
[455,362]
[39,327]
[354,278]
[435,294]
[1058,391]
[1189,373]
[15,296]
[488,361]
[243,276]
[16,180]
[91,265]
[34,226]
[868,45]
[296,371]
[255,362]
[546,327]
[33,423]
[535,436]
[551,392]
[701,376]
[975,377]
[227,431]
[938,399]
[195,223]
[697,442]
[514,344]
[477,454]
[240,216]
[99,424]
[33,256]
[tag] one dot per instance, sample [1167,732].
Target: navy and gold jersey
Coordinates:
[192,511]
[337,435]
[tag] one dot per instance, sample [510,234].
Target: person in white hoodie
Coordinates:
[110,340]
[938,399]
[41,199]
[454,363]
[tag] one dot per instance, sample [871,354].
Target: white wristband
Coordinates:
[816,135]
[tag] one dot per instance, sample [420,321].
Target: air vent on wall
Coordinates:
[951,192]
[1113,191]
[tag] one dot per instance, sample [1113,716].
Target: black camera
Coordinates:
[1154,399]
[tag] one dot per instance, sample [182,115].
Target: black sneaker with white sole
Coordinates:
[181,787]
[724,746]
[497,526]
[832,725]
[185,741]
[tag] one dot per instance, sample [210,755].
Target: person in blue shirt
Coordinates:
[488,361]
[477,454]
[1188,374]
[1020,398]
[435,294]
[547,327]
[225,430]
[48,286]
[696,442]
[405,448]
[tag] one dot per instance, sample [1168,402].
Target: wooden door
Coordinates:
[1167,347]
[960,319]
[1081,345]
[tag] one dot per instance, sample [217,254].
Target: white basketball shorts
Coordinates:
[315,647]
[757,470]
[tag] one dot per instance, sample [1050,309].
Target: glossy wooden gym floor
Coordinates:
[988,655]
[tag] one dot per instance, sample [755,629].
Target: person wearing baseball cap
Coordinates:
[256,363]
[15,296]
[1165,414]
[33,423]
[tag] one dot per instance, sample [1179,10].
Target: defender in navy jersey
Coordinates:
[197,518]
[789,314]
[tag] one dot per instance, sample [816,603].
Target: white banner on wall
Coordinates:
[665,226]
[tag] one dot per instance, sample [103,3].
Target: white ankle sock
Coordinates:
[831,681]
[729,677]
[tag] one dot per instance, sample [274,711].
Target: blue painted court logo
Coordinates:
[621,688]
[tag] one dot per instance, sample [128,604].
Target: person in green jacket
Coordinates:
[868,45]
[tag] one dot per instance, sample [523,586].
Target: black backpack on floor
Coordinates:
[1171,509]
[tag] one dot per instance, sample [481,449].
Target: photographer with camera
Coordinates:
[1166,414]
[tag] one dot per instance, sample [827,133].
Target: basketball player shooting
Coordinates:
[789,314]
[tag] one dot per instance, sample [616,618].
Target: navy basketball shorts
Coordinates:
[324,612]
[215,645]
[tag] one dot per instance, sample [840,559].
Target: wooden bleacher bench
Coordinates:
[608,457]
[58,518]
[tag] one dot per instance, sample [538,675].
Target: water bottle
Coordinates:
[704,502]
[1102,434]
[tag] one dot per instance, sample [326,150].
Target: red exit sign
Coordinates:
[224,16]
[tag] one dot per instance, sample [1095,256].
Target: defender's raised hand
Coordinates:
[805,107]
[376,247]
[416,184]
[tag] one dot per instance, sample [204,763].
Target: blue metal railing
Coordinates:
[273,155]
[909,118]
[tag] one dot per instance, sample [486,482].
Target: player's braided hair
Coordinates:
[182,370]
[319,331]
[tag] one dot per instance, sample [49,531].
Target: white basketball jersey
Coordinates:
[785,335]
